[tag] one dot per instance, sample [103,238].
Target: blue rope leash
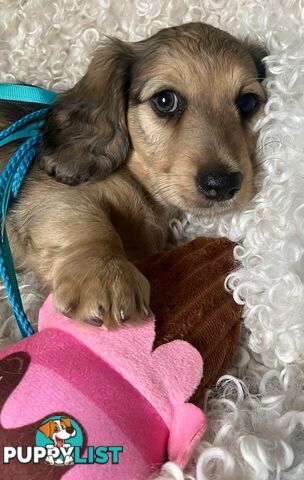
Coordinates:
[29,129]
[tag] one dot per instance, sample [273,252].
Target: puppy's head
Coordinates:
[58,430]
[179,108]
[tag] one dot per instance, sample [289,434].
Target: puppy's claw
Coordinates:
[101,311]
[95,321]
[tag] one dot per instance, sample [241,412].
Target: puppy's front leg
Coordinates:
[93,281]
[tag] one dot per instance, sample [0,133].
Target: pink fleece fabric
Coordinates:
[121,392]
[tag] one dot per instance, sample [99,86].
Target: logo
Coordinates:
[59,441]
[60,436]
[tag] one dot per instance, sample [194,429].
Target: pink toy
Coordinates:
[114,389]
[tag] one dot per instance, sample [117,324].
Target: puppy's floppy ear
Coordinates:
[66,421]
[46,429]
[257,52]
[85,136]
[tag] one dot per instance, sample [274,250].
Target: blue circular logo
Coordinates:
[58,434]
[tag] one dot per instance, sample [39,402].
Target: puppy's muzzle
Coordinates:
[218,185]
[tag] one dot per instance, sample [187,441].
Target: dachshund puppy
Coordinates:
[154,129]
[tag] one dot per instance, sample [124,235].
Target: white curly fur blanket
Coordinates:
[256,416]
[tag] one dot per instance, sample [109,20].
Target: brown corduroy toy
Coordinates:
[190,302]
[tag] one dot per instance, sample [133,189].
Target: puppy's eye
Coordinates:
[166,103]
[56,429]
[247,104]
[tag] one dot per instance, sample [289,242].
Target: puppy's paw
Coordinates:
[68,460]
[111,294]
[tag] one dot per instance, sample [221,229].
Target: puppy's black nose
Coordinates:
[70,430]
[218,184]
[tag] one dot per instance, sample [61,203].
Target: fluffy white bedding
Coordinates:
[256,416]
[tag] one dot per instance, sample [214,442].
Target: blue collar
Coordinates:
[29,129]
